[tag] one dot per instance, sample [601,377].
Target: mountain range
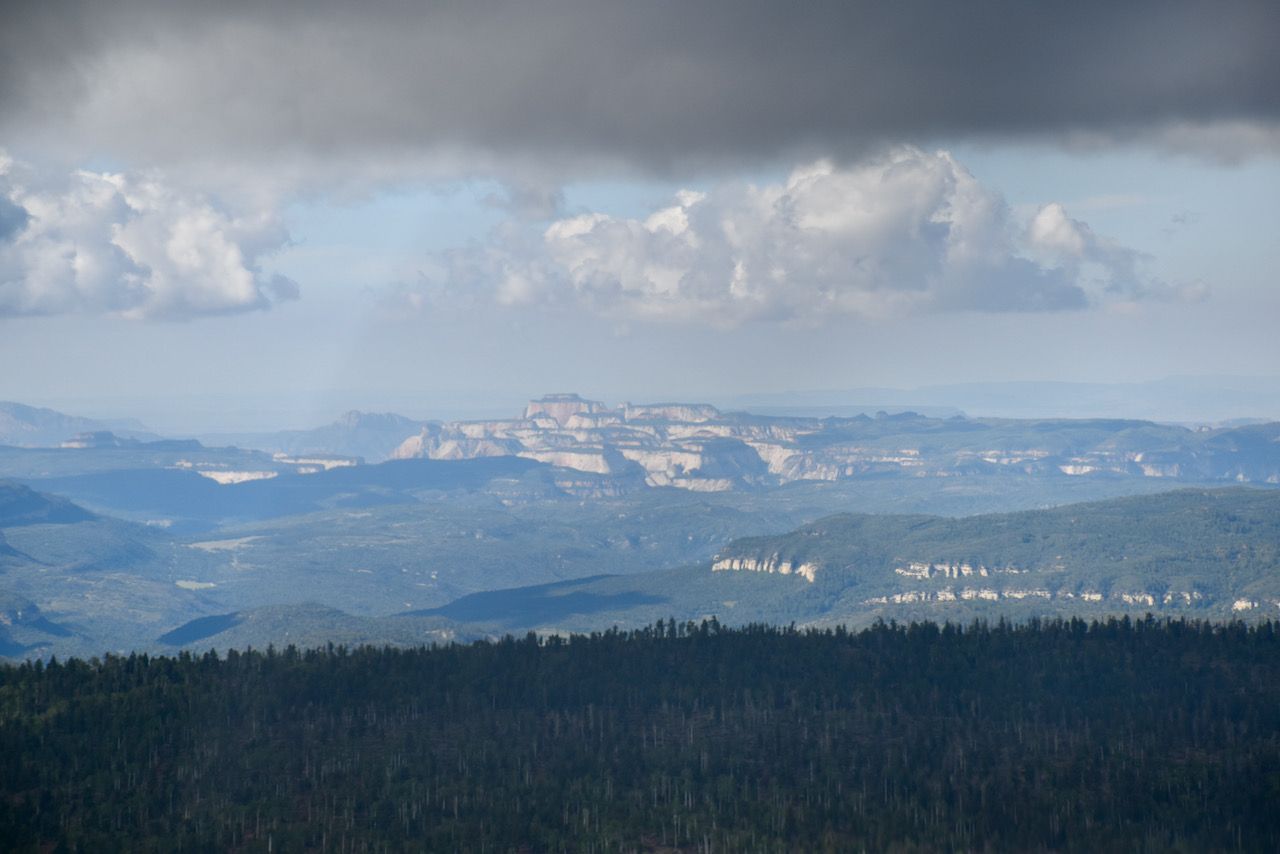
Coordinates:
[698,447]
[1191,400]
[576,515]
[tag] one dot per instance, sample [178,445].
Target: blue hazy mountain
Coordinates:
[1188,399]
[20,505]
[185,496]
[35,427]
[368,435]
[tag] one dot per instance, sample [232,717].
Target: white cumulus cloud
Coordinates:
[129,245]
[910,231]
[1109,267]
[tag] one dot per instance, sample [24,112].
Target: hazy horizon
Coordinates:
[1183,400]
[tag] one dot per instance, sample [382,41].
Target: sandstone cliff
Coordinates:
[697,447]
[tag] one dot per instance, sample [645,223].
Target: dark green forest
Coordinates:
[1064,735]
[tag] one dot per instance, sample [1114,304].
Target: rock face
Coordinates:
[658,445]
[697,447]
[1187,552]
[772,563]
[562,407]
[689,412]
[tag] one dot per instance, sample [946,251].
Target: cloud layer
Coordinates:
[907,232]
[655,85]
[129,245]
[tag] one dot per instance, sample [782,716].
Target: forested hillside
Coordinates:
[1201,549]
[1207,554]
[679,737]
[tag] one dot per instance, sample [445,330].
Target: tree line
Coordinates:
[1137,734]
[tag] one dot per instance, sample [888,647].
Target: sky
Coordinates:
[243,216]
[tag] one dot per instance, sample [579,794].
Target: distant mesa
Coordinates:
[691,412]
[227,474]
[660,445]
[697,447]
[354,418]
[561,407]
[230,477]
[33,427]
[312,463]
[99,439]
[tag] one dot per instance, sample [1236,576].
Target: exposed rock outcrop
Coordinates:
[562,407]
[695,446]
[771,564]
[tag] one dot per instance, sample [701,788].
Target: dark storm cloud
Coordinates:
[653,85]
